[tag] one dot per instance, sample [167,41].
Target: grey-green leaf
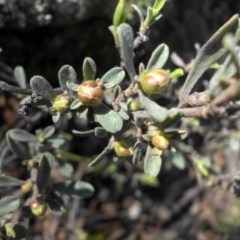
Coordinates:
[99,158]
[109,119]
[158,57]
[44,171]
[56,117]
[76,104]
[113,77]
[9,204]
[66,74]
[20,76]
[89,69]
[76,189]
[48,132]
[152,162]
[157,112]
[126,39]
[21,135]
[124,115]
[178,160]
[117,91]
[20,149]
[210,52]
[42,87]
[7,181]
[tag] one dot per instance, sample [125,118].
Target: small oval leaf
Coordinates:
[48,131]
[126,39]
[42,87]
[113,76]
[109,119]
[66,74]
[157,112]
[152,162]
[158,57]
[9,204]
[21,135]
[89,69]
[75,189]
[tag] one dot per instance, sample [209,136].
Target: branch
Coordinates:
[12,89]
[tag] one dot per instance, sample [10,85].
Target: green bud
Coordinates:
[90,93]
[37,208]
[135,105]
[154,82]
[62,103]
[160,141]
[123,148]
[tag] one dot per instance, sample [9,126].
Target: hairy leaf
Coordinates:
[126,39]
[89,69]
[158,57]
[109,119]
[113,77]
[157,112]
[66,74]
[42,87]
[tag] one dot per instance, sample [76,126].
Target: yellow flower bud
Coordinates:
[160,141]
[154,82]
[37,208]
[62,103]
[123,148]
[90,93]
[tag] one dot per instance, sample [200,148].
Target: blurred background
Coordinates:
[44,35]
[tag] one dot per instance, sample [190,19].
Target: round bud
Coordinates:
[154,82]
[26,187]
[31,163]
[37,208]
[160,141]
[123,148]
[62,103]
[90,93]
[135,105]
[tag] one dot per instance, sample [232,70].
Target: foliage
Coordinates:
[155,135]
